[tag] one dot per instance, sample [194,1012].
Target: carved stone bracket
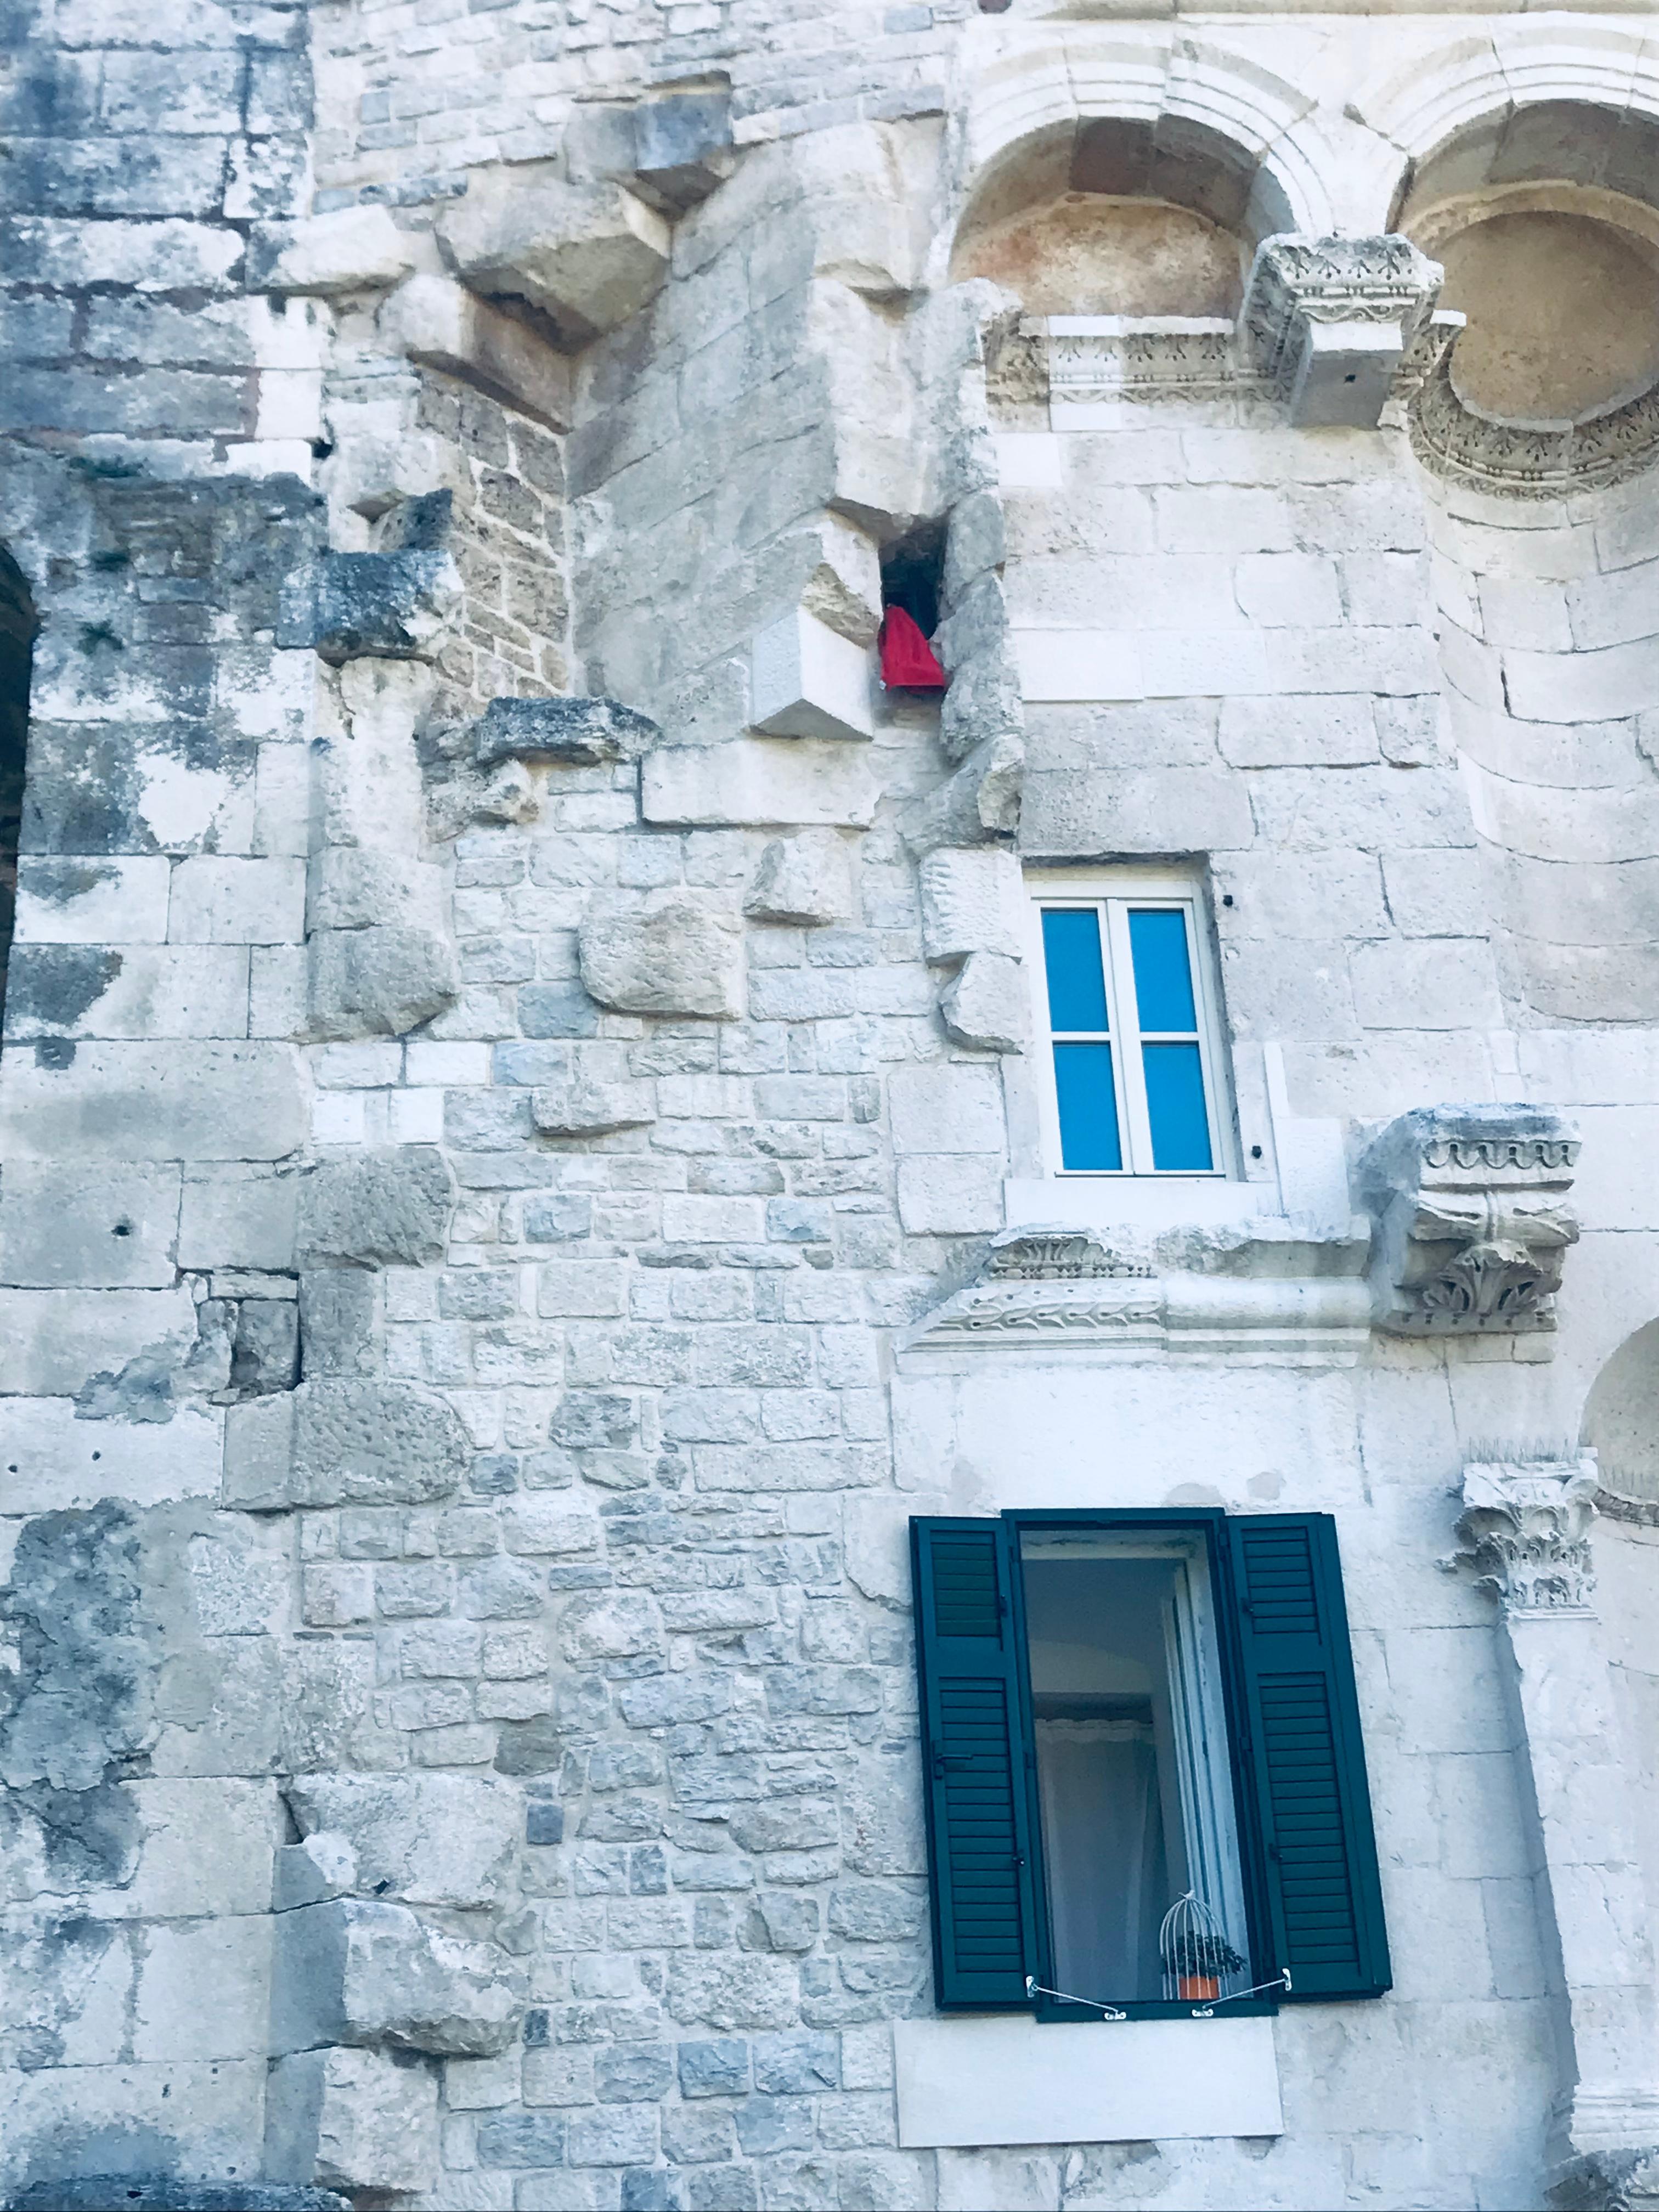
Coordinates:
[1328,320]
[1472,1220]
[1525,1529]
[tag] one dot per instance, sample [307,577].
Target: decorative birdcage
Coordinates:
[1196,1954]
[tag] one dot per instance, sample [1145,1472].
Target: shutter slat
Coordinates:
[973,1761]
[1324,1893]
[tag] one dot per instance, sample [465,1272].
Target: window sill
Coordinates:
[984,2080]
[1108,1201]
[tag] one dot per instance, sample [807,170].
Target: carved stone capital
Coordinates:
[1525,460]
[1328,321]
[1525,1529]
[1058,1254]
[1472,1220]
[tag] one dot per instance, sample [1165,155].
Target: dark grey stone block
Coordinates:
[350,605]
[579,733]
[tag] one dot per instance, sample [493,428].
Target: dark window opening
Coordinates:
[18,625]
[911,568]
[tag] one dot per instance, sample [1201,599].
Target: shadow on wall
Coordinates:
[18,625]
[1621,1418]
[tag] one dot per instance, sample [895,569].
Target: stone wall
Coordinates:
[514,1052]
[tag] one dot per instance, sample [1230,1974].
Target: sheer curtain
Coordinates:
[1103,1831]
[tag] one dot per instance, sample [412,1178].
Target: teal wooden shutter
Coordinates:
[973,1764]
[1325,1900]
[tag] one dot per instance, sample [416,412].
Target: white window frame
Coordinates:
[1111,892]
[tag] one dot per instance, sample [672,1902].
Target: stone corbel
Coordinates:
[1472,1220]
[1329,320]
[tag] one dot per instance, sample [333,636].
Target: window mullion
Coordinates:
[1134,1121]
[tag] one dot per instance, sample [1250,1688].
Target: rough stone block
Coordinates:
[588,255]
[759,781]
[238,1216]
[573,733]
[442,1839]
[806,879]
[981,803]
[943,1197]
[344,1444]
[379,982]
[592,1109]
[842,586]
[355,249]
[362,1973]
[376,1209]
[352,2120]
[986,1005]
[352,606]
[137,1102]
[93,901]
[683,147]
[808,680]
[675,951]
[442,325]
[972,901]
[264,1352]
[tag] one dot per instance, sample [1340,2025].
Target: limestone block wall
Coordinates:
[468,1177]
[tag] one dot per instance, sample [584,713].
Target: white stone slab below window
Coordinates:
[985,2080]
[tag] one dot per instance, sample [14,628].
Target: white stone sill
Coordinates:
[979,2080]
[1136,1201]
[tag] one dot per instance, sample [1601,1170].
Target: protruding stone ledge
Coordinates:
[355,249]
[568,733]
[1472,1218]
[439,324]
[587,256]
[1328,321]
[355,606]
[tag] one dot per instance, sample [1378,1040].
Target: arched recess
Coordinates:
[1129,116]
[18,625]
[1621,1420]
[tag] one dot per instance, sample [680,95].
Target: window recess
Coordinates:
[1145,1784]
[1132,1074]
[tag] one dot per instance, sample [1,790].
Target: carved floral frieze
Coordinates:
[1472,1220]
[1537,461]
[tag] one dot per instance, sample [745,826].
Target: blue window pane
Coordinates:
[1088,1105]
[1175,1106]
[1077,983]
[1164,978]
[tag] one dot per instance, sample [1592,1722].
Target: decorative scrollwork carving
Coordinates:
[1527,460]
[1472,1218]
[1057,1255]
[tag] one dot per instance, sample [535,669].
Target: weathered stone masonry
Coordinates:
[516,1051]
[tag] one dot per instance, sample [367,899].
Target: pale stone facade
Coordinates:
[517,1050]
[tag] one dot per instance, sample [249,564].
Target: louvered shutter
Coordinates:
[973,1764]
[1325,1900]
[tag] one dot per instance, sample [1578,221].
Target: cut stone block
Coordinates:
[980,803]
[351,2120]
[682,146]
[673,952]
[806,879]
[575,732]
[843,587]
[757,782]
[387,606]
[445,1840]
[588,255]
[385,1208]
[808,680]
[442,325]
[379,982]
[971,902]
[986,1005]
[343,1442]
[356,1971]
[592,1109]
[356,249]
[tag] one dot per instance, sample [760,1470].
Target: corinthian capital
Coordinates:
[1525,1529]
[1328,321]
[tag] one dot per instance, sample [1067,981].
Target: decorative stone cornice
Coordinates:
[1530,460]
[1472,1220]
[1058,1256]
[1327,322]
[1100,357]
[1525,1529]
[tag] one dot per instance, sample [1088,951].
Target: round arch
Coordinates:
[1621,1418]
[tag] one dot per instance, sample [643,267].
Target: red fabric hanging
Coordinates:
[907,663]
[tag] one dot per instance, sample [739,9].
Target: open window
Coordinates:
[1146,1790]
[1132,1072]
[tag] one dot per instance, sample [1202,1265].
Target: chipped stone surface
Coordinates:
[804,879]
[672,952]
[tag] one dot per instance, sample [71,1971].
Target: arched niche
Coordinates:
[17,628]
[1111,216]
[1621,1418]
[1546,218]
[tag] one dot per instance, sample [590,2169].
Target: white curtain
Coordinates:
[1103,1833]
